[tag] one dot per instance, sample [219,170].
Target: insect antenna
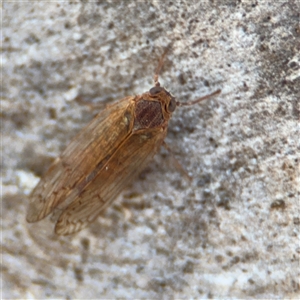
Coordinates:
[160,64]
[199,99]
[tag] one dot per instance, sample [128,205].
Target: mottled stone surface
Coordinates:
[231,232]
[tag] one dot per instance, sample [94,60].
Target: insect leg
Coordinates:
[178,166]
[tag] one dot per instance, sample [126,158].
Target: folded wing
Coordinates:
[81,160]
[128,161]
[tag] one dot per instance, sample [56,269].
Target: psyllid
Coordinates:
[104,158]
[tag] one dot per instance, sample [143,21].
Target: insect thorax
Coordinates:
[148,114]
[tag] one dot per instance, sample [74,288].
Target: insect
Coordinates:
[104,158]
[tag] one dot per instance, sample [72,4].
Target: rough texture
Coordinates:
[231,232]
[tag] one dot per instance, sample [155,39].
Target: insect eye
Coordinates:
[155,90]
[172,105]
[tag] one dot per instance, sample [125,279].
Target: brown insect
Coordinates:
[104,158]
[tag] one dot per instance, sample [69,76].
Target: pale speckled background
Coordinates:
[233,232]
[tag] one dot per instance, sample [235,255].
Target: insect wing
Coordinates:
[79,162]
[127,162]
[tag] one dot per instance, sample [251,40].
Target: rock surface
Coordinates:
[233,231]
